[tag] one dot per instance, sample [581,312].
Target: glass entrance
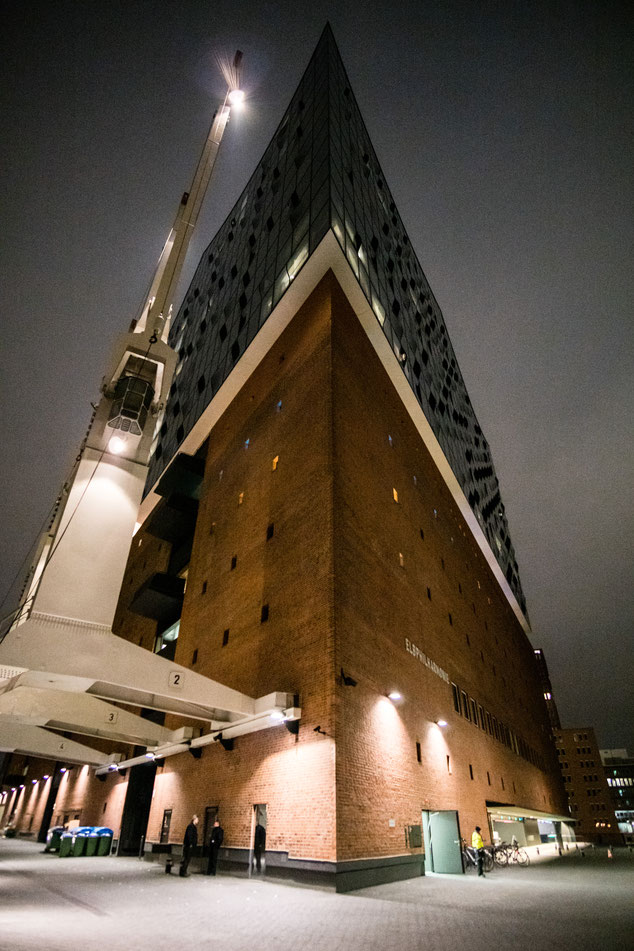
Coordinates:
[441,833]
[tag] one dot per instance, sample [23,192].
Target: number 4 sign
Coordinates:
[175,678]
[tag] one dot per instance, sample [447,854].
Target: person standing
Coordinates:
[217,836]
[189,844]
[259,845]
[478,845]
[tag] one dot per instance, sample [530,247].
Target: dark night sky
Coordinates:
[505,132]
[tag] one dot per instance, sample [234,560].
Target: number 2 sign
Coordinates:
[175,679]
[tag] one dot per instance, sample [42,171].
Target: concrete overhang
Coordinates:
[35,741]
[66,654]
[76,713]
[519,812]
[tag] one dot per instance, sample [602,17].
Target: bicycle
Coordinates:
[519,856]
[470,858]
[505,854]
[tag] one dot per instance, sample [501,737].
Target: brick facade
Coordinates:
[316,444]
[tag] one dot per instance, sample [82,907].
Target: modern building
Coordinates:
[619,768]
[322,517]
[587,788]
[547,688]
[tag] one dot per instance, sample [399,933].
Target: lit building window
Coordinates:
[274,463]
[395,495]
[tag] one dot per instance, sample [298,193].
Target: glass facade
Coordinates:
[320,172]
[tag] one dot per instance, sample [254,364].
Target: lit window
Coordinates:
[246,443]
[400,559]
[548,696]
[395,495]
[274,463]
[241,498]
[389,439]
[279,406]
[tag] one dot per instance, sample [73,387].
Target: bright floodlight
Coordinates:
[236,97]
[116,445]
[276,715]
[441,722]
[394,695]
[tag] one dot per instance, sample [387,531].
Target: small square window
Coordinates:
[204,587]
[429,593]
[225,638]
[264,616]
[195,657]
[270,532]
[234,562]
[450,620]
[422,534]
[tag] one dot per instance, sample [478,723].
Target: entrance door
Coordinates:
[136,809]
[441,832]
[257,863]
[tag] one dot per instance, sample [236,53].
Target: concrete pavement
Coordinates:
[574,902]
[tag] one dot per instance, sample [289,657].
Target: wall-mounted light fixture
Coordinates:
[394,695]
[442,722]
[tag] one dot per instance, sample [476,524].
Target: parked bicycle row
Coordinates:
[500,855]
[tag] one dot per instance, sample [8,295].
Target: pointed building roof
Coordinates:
[320,174]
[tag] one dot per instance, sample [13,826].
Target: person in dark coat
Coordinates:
[217,835]
[189,844]
[259,845]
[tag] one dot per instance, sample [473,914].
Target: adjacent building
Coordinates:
[323,517]
[619,769]
[589,793]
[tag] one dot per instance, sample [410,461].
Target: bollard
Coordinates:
[168,865]
[610,852]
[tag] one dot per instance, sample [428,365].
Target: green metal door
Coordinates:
[442,842]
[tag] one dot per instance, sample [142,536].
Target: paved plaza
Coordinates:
[566,903]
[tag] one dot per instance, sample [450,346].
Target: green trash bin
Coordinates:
[92,843]
[53,838]
[65,844]
[105,840]
[79,844]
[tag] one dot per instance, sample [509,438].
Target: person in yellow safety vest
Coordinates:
[478,845]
